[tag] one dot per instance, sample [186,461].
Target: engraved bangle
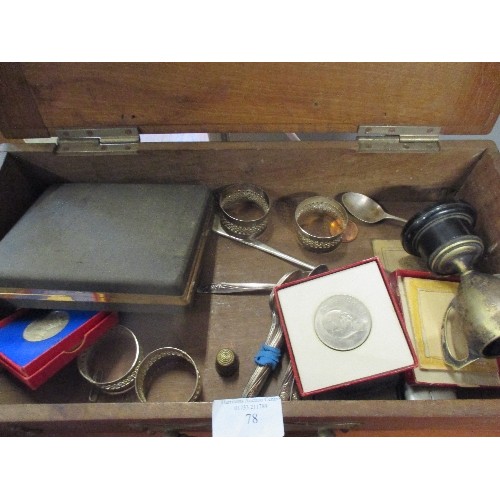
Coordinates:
[244,209]
[100,364]
[160,358]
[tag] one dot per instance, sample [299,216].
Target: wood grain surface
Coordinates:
[38,98]
[481,190]
[403,183]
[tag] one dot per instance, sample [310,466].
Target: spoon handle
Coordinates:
[261,373]
[256,381]
[398,219]
[227,288]
[217,228]
[288,391]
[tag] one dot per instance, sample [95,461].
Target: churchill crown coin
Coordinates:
[342,322]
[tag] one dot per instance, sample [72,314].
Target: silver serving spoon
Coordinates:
[367,210]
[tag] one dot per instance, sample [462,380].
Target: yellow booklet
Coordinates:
[427,301]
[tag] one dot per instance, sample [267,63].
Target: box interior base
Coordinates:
[402,183]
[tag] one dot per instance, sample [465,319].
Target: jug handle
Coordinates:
[448,357]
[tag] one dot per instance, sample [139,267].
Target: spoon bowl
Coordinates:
[367,210]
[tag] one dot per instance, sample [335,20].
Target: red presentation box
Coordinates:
[36,344]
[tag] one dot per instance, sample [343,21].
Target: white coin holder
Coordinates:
[317,367]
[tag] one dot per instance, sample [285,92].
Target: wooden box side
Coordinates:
[402,182]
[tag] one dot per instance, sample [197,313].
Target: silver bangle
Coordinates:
[158,359]
[100,363]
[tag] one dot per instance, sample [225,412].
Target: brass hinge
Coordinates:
[398,139]
[97,140]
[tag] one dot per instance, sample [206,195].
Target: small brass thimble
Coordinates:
[226,362]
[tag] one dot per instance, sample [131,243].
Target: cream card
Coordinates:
[450,376]
[427,301]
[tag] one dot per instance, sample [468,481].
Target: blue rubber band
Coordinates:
[268,356]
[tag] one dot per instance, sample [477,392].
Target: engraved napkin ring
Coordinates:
[154,362]
[100,366]
[244,209]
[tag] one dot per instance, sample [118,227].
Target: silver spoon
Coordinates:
[274,339]
[225,288]
[367,210]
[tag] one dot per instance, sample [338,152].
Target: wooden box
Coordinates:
[404,169]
